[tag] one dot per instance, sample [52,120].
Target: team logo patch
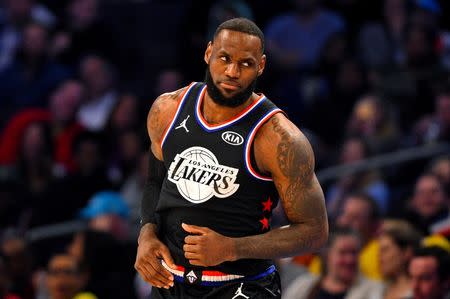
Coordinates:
[191,277]
[232,138]
[199,176]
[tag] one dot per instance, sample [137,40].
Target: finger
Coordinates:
[192,255]
[148,274]
[190,248]
[167,257]
[193,229]
[192,240]
[160,273]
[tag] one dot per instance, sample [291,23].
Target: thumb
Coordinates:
[193,229]
[165,254]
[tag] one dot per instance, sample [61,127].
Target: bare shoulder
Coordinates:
[282,149]
[161,113]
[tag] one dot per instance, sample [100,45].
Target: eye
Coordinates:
[246,64]
[224,58]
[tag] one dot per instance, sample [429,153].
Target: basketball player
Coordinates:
[223,155]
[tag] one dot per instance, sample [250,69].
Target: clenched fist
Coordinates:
[204,247]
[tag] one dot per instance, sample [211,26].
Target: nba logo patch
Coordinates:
[199,176]
[192,276]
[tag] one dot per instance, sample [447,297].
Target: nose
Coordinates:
[233,70]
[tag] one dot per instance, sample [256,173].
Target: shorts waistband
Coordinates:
[211,278]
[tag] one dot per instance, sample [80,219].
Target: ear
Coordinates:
[208,52]
[262,65]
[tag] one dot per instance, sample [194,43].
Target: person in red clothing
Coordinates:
[63,104]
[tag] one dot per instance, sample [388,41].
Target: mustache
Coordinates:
[219,98]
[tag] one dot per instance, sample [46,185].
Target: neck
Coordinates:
[334,285]
[215,113]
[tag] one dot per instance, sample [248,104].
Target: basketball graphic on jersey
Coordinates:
[199,176]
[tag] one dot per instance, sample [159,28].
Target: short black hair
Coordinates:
[375,213]
[442,258]
[341,231]
[242,25]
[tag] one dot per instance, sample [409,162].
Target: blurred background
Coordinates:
[367,81]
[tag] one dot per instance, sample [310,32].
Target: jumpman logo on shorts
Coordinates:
[239,293]
[183,124]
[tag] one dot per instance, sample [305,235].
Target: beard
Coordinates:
[218,97]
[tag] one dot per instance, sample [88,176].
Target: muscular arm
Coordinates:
[290,160]
[284,152]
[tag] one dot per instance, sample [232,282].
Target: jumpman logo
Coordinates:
[239,293]
[183,124]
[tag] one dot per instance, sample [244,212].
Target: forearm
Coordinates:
[285,241]
[152,190]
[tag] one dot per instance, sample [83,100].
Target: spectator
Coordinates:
[430,273]
[34,170]
[412,84]
[381,44]
[13,17]
[28,81]
[397,240]
[435,127]
[99,78]
[374,121]
[429,203]
[60,117]
[341,91]
[18,262]
[109,261]
[441,168]
[89,177]
[340,278]
[355,150]
[67,278]
[361,213]
[294,40]
[107,211]
[82,31]
[122,133]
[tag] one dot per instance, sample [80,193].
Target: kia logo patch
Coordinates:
[232,138]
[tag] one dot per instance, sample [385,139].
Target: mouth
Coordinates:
[229,85]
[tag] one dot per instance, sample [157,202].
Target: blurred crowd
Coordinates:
[362,79]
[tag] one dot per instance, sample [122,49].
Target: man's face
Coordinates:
[65,101]
[35,40]
[355,215]
[429,197]
[425,279]
[234,61]
[342,258]
[94,75]
[63,277]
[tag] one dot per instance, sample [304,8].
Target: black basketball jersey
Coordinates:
[211,179]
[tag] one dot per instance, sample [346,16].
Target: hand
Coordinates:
[148,259]
[204,247]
